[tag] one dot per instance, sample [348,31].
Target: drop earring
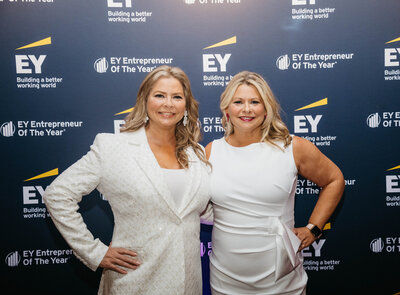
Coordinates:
[146,119]
[227,117]
[185,119]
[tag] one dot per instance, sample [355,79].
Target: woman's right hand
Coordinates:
[117,257]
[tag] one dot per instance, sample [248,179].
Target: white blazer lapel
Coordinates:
[194,181]
[148,163]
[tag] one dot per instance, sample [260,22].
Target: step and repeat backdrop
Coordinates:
[71,69]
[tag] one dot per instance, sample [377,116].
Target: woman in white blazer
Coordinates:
[154,175]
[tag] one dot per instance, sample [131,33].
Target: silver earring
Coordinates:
[185,119]
[146,119]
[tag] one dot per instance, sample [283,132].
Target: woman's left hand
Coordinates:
[305,236]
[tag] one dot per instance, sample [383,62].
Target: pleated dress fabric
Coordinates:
[254,249]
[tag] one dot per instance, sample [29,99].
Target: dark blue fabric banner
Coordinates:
[71,69]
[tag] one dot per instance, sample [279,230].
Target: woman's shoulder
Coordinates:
[209,146]
[115,138]
[301,144]
[102,137]
[216,141]
[304,150]
[107,137]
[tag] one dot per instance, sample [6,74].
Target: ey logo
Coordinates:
[308,123]
[392,55]
[119,3]
[28,64]
[32,195]
[393,181]
[119,123]
[217,62]
[303,2]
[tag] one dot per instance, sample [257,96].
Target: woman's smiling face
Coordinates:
[246,110]
[166,103]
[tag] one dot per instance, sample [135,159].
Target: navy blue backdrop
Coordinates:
[71,69]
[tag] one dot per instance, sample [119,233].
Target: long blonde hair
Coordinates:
[273,129]
[186,136]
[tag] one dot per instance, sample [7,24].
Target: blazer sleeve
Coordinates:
[62,198]
[207,216]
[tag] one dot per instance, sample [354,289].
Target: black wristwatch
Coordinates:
[314,230]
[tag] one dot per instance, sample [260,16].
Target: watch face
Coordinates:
[316,231]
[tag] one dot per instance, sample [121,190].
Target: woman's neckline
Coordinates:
[241,147]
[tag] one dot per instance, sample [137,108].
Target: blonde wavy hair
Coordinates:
[273,129]
[186,136]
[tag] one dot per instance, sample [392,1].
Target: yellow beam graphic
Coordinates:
[394,168]
[43,175]
[315,104]
[229,41]
[46,41]
[124,112]
[394,40]
[327,226]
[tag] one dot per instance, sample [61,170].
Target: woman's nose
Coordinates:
[247,107]
[168,101]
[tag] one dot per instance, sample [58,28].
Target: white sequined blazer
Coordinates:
[123,168]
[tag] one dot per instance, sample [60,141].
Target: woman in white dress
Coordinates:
[155,177]
[253,183]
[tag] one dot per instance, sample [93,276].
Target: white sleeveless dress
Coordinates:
[254,250]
